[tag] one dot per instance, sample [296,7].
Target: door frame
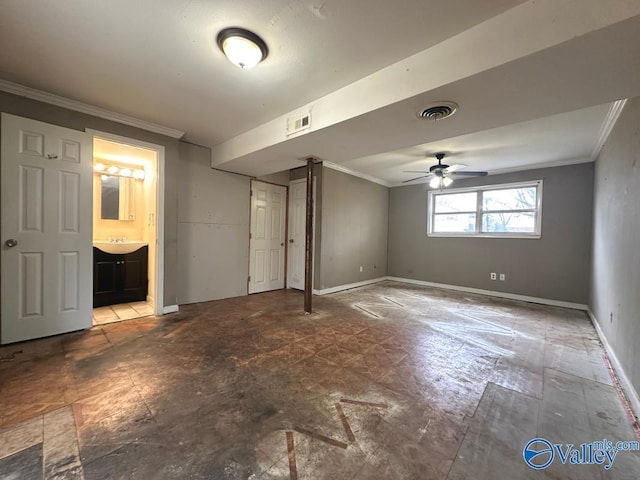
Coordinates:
[159,307]
[313,249]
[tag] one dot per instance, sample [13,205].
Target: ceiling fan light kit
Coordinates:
[442,173]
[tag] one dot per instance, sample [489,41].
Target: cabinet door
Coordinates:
[105,278]
[134,280]
[119,278]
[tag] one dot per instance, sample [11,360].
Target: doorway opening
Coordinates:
[127,229]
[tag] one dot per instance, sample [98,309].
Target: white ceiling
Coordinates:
[562,139]
[533,79]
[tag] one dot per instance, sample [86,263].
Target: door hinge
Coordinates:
[249,279]
[251,193]
[250,237]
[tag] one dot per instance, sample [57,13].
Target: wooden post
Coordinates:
[308,245]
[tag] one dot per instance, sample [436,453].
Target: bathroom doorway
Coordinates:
[127,228]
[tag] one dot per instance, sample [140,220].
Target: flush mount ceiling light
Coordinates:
[242,47]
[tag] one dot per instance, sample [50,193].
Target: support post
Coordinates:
[308,245]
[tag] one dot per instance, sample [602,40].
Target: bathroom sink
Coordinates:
[126,246]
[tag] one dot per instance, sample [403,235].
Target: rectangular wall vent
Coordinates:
[298,122]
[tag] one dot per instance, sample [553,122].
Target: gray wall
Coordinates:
[298,174]
[354,216]
[556,266]
[213,229]
[615,281]
[44,112]
[279,178]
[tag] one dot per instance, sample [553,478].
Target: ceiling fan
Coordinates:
[442,173]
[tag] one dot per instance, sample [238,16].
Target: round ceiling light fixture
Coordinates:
[437,110]
[242,47]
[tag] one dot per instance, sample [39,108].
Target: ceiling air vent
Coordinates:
[298,122]
[438,110]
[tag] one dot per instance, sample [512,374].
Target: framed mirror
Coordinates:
[117,196]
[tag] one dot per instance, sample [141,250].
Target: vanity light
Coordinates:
[242,47]
[114,170]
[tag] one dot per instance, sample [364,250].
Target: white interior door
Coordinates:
[297,226]
[266,244]
[45,230]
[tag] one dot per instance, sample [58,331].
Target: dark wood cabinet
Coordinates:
[120,278]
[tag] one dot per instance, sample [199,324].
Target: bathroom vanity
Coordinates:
[120,273]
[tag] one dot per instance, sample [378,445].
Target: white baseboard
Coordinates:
[627,387]
[170,309]
[491,293]
[445,286]
[348,286]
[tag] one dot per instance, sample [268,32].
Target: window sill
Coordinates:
[528,236]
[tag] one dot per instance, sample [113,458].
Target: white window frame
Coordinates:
[537,233]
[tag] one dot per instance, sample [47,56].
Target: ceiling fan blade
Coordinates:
[417,178]
[470,174]
[416,171]
[455,168]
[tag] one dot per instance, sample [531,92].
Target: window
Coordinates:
[509,210]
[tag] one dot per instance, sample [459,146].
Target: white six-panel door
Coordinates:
[46,229]
[297,225]
[266,245]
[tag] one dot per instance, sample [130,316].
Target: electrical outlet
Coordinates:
[503,277]
[493,275]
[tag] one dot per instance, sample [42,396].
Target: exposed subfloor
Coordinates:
[389,381]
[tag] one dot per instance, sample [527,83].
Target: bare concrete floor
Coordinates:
[383,382]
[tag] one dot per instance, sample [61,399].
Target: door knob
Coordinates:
[282,244]
[291,240]
[11,243]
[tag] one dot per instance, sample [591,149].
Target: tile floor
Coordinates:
[389,381]
[124,311]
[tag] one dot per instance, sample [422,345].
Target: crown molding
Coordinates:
[355,173]
[50,98]
[607,125]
